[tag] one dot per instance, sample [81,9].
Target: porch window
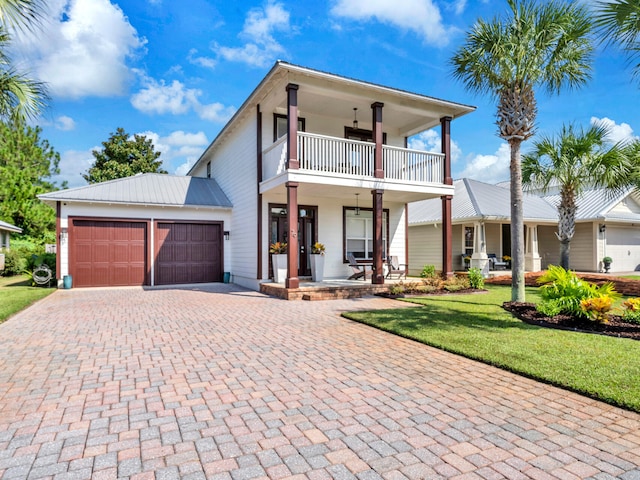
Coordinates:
[468,240]
[280,125]
[358,233]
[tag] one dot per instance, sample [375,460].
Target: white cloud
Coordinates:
[175,98]
[205,62]
[261,48]
[82,48]
[73,164]
[618,133]
[420,16]
[179,150]
[65,123]
[489,168]
[429,141]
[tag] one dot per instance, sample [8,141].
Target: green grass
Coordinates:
[632,277]
[16,293]
[476,326]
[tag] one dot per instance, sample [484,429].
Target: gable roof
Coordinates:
[9,228]
[147,189]
[599,204]
[475,200]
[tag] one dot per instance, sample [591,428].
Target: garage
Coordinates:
[108,252]
[188,252]
[623,246]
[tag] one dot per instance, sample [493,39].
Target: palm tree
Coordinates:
[618,22]
[544,45]
[574,160]
[19,95]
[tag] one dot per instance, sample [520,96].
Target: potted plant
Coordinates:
[606,262]
[507,259]
[467,261]
[317,262]
[278,252]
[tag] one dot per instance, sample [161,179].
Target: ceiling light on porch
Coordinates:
[355,119]
[357,205]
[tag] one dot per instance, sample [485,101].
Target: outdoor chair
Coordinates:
[359,270]
[395,267]
[495,263]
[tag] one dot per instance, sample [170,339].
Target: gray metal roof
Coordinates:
[478,200]
[9,227]
[148,189]
[598,204]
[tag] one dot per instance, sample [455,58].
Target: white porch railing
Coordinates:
[320,153]
[412,165]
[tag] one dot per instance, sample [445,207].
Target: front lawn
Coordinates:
[476,326]
[16,293]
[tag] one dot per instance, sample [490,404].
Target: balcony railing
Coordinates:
[338,156]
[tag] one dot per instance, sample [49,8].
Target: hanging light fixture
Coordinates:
[357,205]
[355,119]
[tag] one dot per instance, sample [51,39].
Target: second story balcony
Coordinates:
[339,161]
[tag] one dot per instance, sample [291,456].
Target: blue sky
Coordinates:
[176,71]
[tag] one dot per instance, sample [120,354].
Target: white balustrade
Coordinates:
[412,165]
[320,153]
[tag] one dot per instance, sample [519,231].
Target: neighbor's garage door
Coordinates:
[108,253]
[188,253]
[623,246]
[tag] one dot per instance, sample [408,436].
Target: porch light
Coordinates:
[603,228]
[357,205]
[355,121]
[226,234]
[64,235]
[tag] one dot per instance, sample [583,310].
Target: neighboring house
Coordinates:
[6,229]
[605,226]
[309,156]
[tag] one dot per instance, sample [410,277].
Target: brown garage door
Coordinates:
[188,253]
[108,253]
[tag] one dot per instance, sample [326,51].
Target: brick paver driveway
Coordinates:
[220,382]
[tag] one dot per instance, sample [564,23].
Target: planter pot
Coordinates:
[279,263]
[317,267]
[607,266]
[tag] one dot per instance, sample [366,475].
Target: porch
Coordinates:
[328,289]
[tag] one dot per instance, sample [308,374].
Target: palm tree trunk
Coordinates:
[566,223]
[517,224]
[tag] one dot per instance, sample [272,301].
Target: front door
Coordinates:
[307,234]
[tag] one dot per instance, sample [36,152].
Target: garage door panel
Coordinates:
[106,252]
[188,253]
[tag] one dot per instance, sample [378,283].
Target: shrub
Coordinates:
[456,283]
[429,271]
[15,263]
[631,312]
[597,308]
[396,289]
[476,279]
[563,291]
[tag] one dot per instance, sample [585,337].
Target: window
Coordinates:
[468,240]
[280,125]
[358,233]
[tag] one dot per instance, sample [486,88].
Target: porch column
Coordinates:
[447,260]
[378,271]
[532,260]
[376,109]
[292,280]
[445,139]
[479,258]
[292,128]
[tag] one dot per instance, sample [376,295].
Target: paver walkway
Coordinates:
[220,382]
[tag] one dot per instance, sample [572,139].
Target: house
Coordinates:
[605,226]
[308,157]
[6,229]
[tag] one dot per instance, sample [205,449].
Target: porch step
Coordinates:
[312,293]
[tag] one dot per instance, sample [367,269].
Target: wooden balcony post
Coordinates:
[292,280]
[447,260]
[376,109]
[378,272]
[292,127]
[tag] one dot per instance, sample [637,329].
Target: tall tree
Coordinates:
[618,21]
[123,156]
[573,161]
[20,96]
[535,45]
[27,163]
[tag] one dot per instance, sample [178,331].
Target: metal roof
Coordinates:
[478,200]
[599,204]
[148,189]
[9,227]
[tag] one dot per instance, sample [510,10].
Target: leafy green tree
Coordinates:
[124,156]
[618,22]
[573,161]
[19,95]
[27,163]
[535,45]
